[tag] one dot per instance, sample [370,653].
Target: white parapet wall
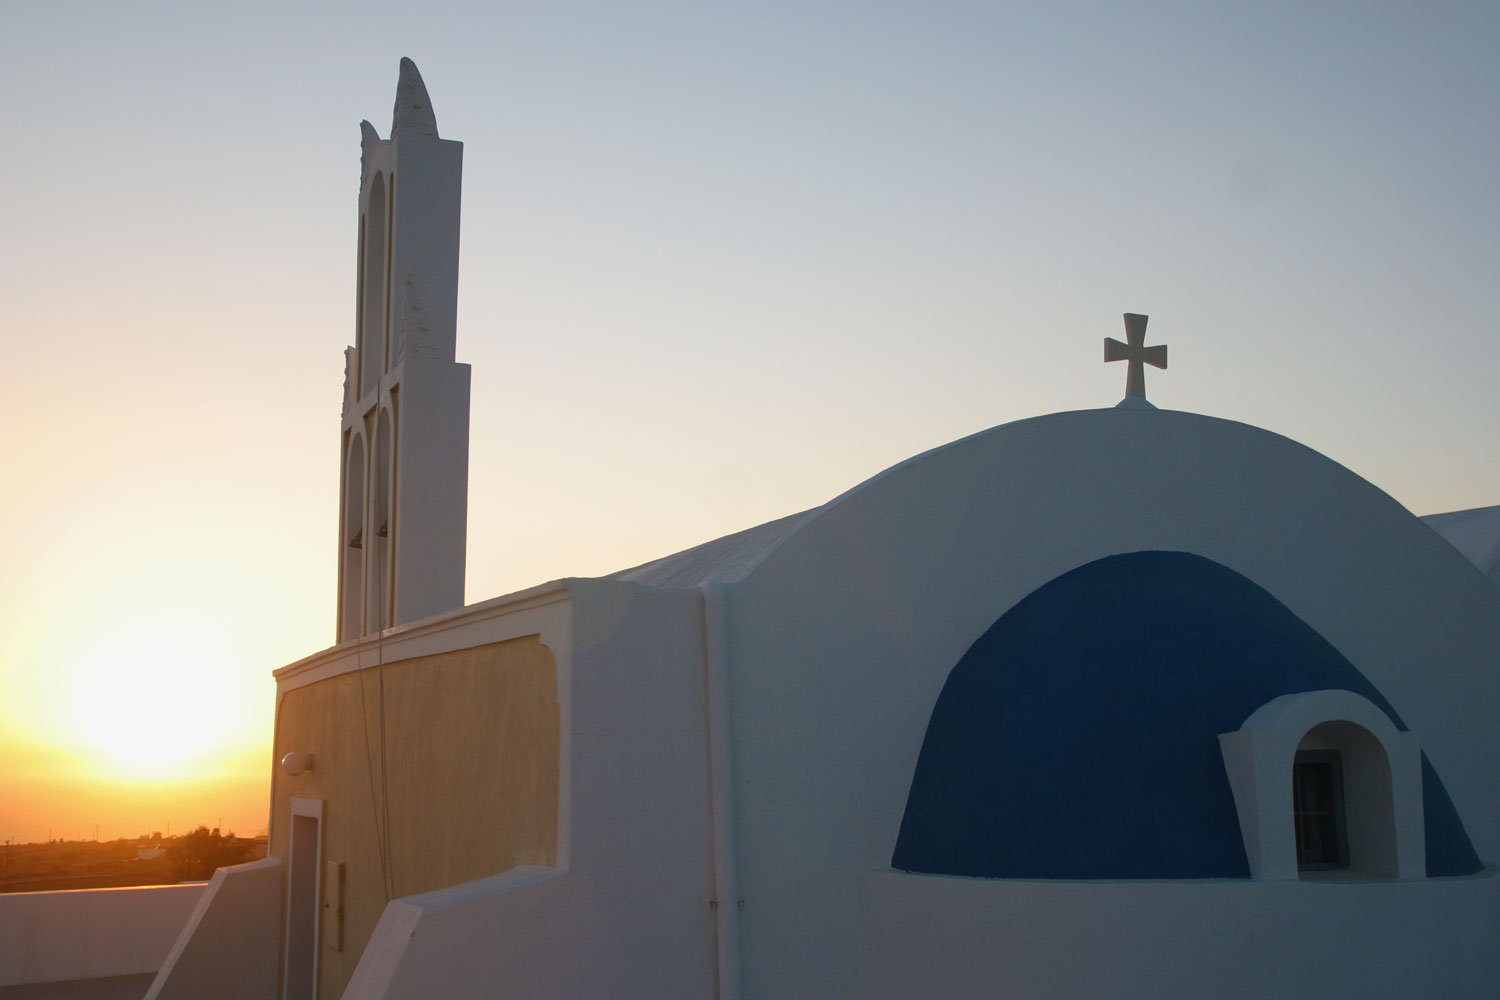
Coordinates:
[227,948]
[1339,937]
[90,933]
[425,945]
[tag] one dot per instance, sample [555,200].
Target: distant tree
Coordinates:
[195,855]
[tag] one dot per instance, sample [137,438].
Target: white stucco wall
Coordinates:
[90,933]
[844,635]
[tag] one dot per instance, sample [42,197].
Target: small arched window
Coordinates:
[374,291]
[1355,797]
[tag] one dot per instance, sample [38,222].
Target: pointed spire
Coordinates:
[368,140]
[413,115]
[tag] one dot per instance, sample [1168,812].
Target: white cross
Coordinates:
[1135,352]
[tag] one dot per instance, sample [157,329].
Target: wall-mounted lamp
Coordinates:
[296,762]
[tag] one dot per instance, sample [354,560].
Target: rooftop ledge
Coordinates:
[538,610]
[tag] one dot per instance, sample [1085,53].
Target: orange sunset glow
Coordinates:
[136,689]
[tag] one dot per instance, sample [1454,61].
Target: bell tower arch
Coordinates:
[403,505]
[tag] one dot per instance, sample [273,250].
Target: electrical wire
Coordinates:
[364,719]
[380,807]
[382,548]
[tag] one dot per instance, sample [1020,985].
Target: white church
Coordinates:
[1116,703]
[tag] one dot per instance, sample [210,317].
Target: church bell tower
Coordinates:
[403,508]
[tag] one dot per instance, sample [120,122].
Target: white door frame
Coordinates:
[296,874]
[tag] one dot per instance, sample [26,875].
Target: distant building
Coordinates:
[1111,703]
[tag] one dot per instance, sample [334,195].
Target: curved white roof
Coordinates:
[725,559]
[728,559]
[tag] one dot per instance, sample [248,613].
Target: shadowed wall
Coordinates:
[470,777]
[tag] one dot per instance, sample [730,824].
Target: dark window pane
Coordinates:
[1317,803]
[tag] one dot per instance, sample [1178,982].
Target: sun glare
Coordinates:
[156,699]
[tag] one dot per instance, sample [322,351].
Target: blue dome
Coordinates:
[1078,737]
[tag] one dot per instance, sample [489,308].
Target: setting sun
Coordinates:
[137,692]
[145,696]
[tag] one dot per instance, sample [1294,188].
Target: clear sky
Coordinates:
[720,263]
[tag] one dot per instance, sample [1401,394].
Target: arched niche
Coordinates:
[379,611]
[1363,805]
[351,559]
[373,283]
